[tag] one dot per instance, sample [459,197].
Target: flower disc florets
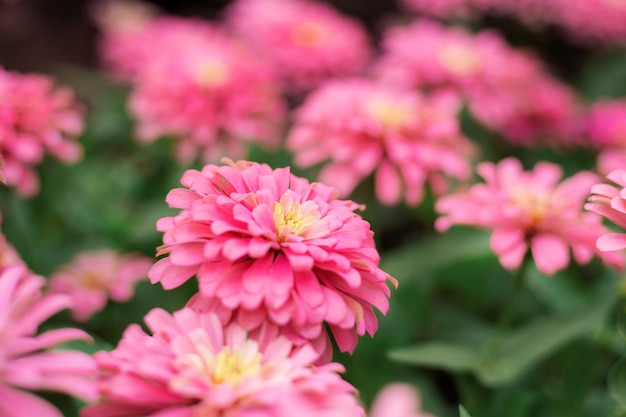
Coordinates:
[274,245]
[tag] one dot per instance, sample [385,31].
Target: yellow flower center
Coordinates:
[309,34]
[535,204]
[294,219]
[212,74]
[388,113]
[93,281]
[229,366]
[460,60]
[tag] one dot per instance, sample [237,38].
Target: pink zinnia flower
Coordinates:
[192,366]
[36,117]
[609,201]
[210,93]
[606,130]
[397,399]
[364,128]
[26,363]
[92,278]
[277,247]
[530,210]
[600,21]
[308,42]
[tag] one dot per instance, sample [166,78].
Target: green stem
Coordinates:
[507,313]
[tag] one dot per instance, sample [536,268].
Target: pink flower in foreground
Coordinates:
[26,363]
[91,278]
[308,42]
[397,399]
[192,366]
[606,130]
[530,210]
[277,247]
[609,201]
[210,93]
[363,128]
[36,117]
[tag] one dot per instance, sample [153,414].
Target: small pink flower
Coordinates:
[26,363]
[276,247]
[91,278]
[36,117]
[609,201]
[362,128]
[530,210]
[397,399]
[308,42]
[192,366]
[210,93]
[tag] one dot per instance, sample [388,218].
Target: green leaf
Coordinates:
[525,347]
[463,412]
[438,355]
[617,382]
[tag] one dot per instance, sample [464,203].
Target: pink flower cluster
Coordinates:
[26,361]
[195,83]
[609,201]
[193,365]
[507,90]
[307,42]
[530,210]
[274,247]
[362,127]
[36,117]
[92,278]
[397,399]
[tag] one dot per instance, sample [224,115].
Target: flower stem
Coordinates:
[507,313]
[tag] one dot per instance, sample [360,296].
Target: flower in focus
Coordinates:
[530,210]
[366,128]
[36,117]
[26,363]
[208,92]
[397,399]
[277,247]
[606,129]
[608,200]
[91,278]
[192,366]
[307,42]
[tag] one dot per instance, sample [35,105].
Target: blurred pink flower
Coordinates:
[506,89]
[397,399]
[191,366]
[36,117]
[609,201]
[209,92]
[357,128]
[26,363]
[308,42]
[91,278]
[276,246]
[606,130]
[530,210]
[599,21]
[8,255]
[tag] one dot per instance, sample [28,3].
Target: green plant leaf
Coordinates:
[523,348]
[617,382]
[438,355]
[463,412]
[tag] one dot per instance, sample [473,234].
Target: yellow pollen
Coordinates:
[232,365]
[212,74]
[294,219]
[309,34]
[93,281]
[461,60]
[536,205]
